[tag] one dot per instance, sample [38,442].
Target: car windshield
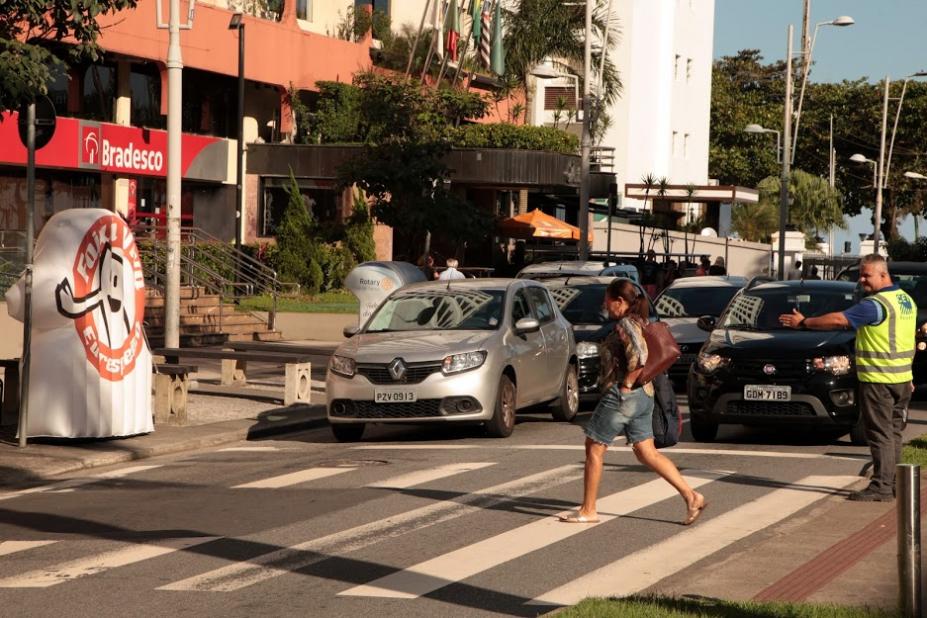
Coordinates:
[439,309]
[692,302]
[760,309]
[581,304]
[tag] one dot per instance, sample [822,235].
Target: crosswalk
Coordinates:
[474,527]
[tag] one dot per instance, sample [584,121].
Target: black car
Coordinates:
[580,300]
[912,278]
[753,371]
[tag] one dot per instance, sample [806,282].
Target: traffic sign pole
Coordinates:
[27,287]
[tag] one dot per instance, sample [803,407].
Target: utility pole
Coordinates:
[786,155]
[881,176]
[832,172]
[806,40]
[586,143]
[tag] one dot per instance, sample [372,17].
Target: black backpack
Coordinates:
[667,423]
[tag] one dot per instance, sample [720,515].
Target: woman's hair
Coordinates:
[624,289]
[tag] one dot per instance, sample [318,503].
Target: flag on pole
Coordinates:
[498,52]
[453,30]
[475,21]
[485,34]
[437,22]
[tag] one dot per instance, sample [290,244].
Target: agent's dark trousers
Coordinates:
[883,408]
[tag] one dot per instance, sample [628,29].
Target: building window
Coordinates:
[145,88]
[675,140]
[377,5]
[688,69]
[321,202]
[304,9]
[685,146]
[98,92]
[676,66]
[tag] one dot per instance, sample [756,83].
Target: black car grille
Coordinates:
[415,373]
[369,409]
[769,408]
[784,369]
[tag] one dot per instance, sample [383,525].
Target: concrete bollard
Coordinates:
[908,484]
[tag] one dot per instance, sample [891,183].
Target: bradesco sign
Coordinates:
[130,151]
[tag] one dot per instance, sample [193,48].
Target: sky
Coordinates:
[888,38]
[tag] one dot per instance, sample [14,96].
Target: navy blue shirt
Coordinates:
[867,312]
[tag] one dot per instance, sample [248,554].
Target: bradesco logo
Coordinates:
[107,297]
[90,145]
[121,149]
[131,157]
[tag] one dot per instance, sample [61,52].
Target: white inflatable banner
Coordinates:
[90,373]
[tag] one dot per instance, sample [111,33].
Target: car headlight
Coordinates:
[587,349]
[343,366]
[834,365]
[710,363]
[455,363]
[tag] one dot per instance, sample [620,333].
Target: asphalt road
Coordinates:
[414,521]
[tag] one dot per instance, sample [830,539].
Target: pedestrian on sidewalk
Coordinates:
[885,323]
[626,407]
[451,273]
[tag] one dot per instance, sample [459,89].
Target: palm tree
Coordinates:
[662,188]
[690,191]
[542,29]
[649,181]
[815,206]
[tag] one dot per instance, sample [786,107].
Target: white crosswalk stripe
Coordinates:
[432,474]
[645,568]
[301,555]
[458,565]
[71,484]
[11,547]
[136,552]
[293,478]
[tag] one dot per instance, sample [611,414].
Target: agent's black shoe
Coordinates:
[870,495]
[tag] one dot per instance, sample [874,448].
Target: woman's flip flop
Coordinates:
[576,518]
[694,512]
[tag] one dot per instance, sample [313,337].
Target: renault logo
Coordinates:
[397,369]
[769,370]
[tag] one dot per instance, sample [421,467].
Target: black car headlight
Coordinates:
[587,349]
[834,365]
[455,363]
[710,363]
[343,366]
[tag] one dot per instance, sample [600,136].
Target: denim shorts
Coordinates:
[620,413]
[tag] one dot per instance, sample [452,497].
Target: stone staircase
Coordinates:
[204,320]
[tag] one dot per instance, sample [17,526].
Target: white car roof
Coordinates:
[709,282]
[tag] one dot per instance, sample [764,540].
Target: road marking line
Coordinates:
[11,547]
[426,476]
[67,571]
[247,449]
[293,478]
[296,557]
[644,568]
[465,562]
[580,447]
[70,484]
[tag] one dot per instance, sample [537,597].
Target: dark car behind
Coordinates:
[753,371]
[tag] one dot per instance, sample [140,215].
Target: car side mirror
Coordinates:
[707,323]
[527,325]
[350,331]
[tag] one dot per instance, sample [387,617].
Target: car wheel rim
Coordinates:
[572,393]
[508,405]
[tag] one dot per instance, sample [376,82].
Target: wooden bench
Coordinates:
[9,410]
[275,346]
[298,379]
[171,387]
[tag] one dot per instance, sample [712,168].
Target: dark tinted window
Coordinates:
[760,309]
[684,302]
[520,307]
[581,304]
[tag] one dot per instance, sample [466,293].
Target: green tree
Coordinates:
[755,222]
[358,231]
[28,32]
[815,206]
[297,251]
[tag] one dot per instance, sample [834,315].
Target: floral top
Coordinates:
[622,352]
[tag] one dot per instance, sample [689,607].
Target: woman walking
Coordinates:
[626,407]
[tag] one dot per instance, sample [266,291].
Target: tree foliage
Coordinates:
[815,206]
[755,222]
[28,32]
[747,90]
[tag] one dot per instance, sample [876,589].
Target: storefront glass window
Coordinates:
[98,92]
[209,103]
[321,202]
[145,85]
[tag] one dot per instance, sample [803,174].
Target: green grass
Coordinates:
[915,451]
[336,301]
[667,607]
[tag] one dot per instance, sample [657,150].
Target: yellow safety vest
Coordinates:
[884,351]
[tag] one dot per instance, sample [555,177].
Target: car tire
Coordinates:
[348,433]
[566,405]
[502,422]
[858,433]
[702,430]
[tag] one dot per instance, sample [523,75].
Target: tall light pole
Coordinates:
[757,129]
[786,155]
[174,110]
[237,23]
[586,141]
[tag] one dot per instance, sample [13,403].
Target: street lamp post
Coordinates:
[756,129]
[237,23]
[786,155]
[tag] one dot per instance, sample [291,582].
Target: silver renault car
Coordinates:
[469,350]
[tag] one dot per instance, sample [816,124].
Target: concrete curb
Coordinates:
[34,464]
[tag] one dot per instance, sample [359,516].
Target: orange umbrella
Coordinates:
[537,224]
